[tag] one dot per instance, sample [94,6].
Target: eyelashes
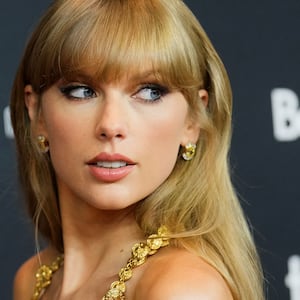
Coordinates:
[149,92]
[77,91]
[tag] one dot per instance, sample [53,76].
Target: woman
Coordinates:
[121,112]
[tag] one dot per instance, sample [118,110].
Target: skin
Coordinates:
[98,222]
[114,120]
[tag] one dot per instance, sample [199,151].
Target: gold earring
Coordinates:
[43,143]
[189,151]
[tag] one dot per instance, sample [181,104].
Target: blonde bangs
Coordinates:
[109,40]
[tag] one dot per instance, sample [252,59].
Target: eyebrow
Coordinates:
[134,77]
[145,75]
[81,77]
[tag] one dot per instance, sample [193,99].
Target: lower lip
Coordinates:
[110,174]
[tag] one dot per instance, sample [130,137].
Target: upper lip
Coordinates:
[111,157]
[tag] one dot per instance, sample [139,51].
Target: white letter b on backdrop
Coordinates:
[286,115]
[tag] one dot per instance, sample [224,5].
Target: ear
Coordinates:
[203,94]
[192,130]
[31,102]
[32,105]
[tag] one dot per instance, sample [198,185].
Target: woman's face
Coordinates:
[113,144]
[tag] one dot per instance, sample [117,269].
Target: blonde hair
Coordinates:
[105,39]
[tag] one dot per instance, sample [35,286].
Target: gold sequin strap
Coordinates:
[140,253]
[44,276]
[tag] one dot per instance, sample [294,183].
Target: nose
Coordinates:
[112,120]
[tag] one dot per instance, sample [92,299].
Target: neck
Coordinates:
[94,241]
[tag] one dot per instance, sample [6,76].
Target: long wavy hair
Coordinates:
[107,39]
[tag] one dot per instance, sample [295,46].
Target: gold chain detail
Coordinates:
[44,276]
[140,252]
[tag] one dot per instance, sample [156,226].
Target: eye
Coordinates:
[151,92]
[78,92]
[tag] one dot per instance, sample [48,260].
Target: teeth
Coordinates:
[111,164]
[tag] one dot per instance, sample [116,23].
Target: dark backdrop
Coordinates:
[259,42]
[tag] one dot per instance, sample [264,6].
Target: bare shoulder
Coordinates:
[24,280]
[177,274]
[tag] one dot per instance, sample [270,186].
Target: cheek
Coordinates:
[66,135]
[59,130]
[169,128]
[63,126]
[163,138]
